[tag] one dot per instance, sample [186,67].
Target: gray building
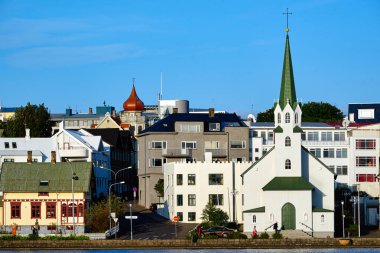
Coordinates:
[186,137]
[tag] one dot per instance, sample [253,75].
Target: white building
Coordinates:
[189,187]
[289,185]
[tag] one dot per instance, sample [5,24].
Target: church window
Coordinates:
[322,218]
[287,141]
[296,118]
[287,117]
[288,164]
[279,118]
[271,217]
[254,218]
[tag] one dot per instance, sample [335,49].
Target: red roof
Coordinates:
[133,103]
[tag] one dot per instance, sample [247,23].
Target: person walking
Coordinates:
[254,232]
[275,227]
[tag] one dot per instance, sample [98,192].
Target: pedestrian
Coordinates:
[199,229]
[275,227]
[254,232]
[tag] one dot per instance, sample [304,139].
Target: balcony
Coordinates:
[73,152]
[324,143]
[177,153]
[217,152]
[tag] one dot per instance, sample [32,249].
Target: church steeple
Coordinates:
[288,90]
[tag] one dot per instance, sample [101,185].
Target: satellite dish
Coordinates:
[345,123]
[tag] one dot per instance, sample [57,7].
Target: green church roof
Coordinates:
[256,210]
[24,177]
[321,210]
[288,90]
[288,184]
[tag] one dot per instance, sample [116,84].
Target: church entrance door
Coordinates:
[289,216]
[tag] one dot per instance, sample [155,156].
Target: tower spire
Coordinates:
[287,13]
[288,90]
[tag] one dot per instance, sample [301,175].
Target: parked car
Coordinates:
[219,231]
[153,207]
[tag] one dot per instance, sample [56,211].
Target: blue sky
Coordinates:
[225,54]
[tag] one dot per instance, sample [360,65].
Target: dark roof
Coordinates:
[8,109]
[167,124]
[321,210]
[288,184]
[117,138]
[24,177]
[256,210]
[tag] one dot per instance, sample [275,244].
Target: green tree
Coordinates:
[311,112]
[213,215]
[36,118]
[159,187]
[98,214]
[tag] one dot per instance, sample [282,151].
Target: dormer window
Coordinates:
[214,127]
[14,145]
[44,183]
[287,117]
[6,144]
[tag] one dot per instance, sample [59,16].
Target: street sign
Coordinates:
[115,219]
[113,215]
[131,217]
[175,218]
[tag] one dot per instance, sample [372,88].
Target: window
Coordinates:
[36,210]
[365,144]
[215,199]
[237,144]
[158,145]
[215,179]
[366,161]
[191,179]
[6,144]
[316,152]
[179,179]
[322,218]
[44,183]
[287,117]
[365,177]
[242,199]
[326,136]
[287,141]
[16,210]
[157,162]
[9,160]
[43,193]
[328,153]
[214,127]
[296,118]
[279,118]
[80,210]
[179,200]
[191,201]
[339,136]
[64,210]
[288,164]
[303,136]
[180,216]
[191,216]
[50,209]
[270,136]
[189,144]
[185,128]
[341,153]
[254,219]
[341,170]
[14,145]
[256,150]
[70,210]
[312,136]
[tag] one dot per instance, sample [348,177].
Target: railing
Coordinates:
[217,152]
[325,143]
[306,232]
[177,152]
[269,227]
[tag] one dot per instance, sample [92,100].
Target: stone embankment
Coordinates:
[187,244]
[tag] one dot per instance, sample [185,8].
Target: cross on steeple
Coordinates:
[287,13]
[133,81]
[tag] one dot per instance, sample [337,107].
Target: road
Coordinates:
[150,226]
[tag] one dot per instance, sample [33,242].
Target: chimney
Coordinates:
[90,110]
[175,110]
[53,157]
[211,112]
[114,113]
[27,134]
[69,112]
[29,159]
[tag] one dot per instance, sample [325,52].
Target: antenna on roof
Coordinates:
[161,87]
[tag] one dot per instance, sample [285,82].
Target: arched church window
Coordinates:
[296,118]
[279,118]
[287,117]
[254,218]
[288,164]
[287,141]
[322,218]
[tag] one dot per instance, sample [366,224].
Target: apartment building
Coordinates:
[186,137]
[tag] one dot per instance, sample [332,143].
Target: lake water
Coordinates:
[357,250]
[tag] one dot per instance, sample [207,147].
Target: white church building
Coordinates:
[289,185]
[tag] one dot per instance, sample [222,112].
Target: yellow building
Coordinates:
[39,195]
[7,112]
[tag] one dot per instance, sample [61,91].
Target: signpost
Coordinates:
[130,217]
[175,219]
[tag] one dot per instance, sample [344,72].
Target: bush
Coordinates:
[277,236]
[232,225]
[33,237]
[264,235]
[237,235]
[352,229]
[211,237]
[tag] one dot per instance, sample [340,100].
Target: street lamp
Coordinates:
[73,177]
[343,216]
[115,173]
[358,190]
[109,199]
[378,180]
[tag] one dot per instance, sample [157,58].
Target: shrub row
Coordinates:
[47,238]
